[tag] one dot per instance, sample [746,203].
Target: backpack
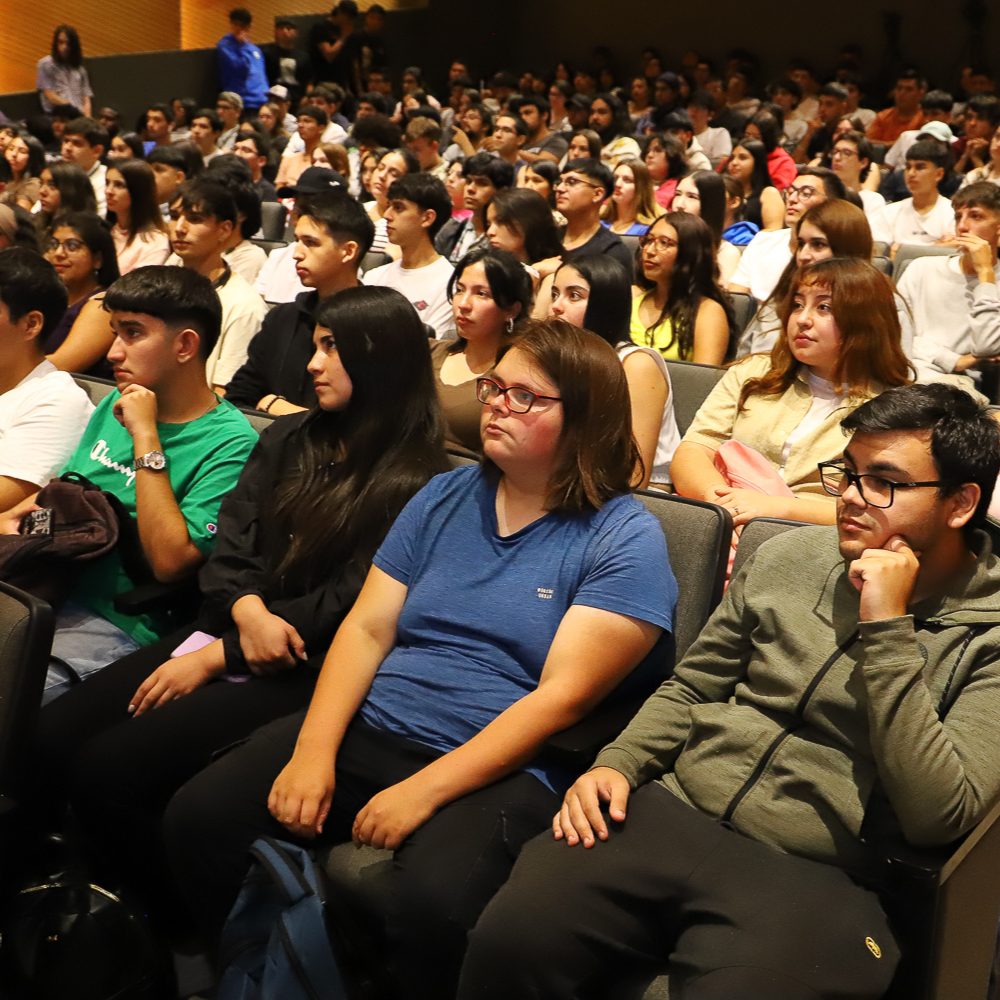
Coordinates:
[275,944]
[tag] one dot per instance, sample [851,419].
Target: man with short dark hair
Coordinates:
[171,168]
[936,106]
[165,445]
[484,175]
[582,188]
[679,125]
[982,118]
[509,135]
[205,129]
[818,136]
[332,234]
[905,113]
[252,148]
[84,142]
[157,127]
[844,695]
[954,302]
[206,220]
[541,143]
[42,410]
[768,253]
[240,64]
[716,143]
[926,217]
[418,207]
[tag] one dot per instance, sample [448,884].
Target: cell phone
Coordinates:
[37,522]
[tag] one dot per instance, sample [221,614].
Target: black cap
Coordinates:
[314,180]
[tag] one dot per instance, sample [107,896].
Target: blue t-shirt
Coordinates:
[481,610]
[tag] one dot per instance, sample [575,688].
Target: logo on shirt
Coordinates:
[99,453]
[544,593]
[211,528]
[421,305]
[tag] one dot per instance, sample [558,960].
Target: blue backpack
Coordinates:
[275,944]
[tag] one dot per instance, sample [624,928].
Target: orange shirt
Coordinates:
[887,126]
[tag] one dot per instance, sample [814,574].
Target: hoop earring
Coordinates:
[509,325]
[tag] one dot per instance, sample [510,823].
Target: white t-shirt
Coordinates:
[41,422]
[716,142]
[277,281]
[763,260]
[825,400]
[332,133]
[872,202]
[246,259]
[425,287]
[901,223]
[243,312]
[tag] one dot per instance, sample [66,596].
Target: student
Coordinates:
[509,135]
[905,113]
[819,134]
[206,127]
[42,410]
[520,221]
[312,120]
[171,166]
[484,175]
[541,143]
[253,148]
[717,143]
[423,139]
[205,223]
[705,837]
[762,201]
[665,160]
[955,301]
[26,158]
[418,207]
[926,217]
[703,193]
[609,119]
[229,108]
[768,253]
[852,159]
[332,234]
[84,143]
[243,256]
[392,164]
[582,189]
[165,445]
[64,188]
[137,225]
[632,207]
[158,127]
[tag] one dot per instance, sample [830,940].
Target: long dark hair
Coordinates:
[349,473]
[76,193]
[528,214]
[144,211]
[74,57]
[761,177]
[620,123]
[712,194]
[96,235]
[609,300]
[692,280]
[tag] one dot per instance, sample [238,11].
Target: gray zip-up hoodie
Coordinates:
[792,721]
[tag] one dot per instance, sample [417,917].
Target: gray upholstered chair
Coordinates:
[690,385]
[909,252]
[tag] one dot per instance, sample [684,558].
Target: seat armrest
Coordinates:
[580,743]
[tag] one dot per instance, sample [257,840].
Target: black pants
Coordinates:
[734,918]
[119,772]
[444,873]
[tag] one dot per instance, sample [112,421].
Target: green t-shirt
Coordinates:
[204,459]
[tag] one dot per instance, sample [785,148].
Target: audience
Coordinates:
[501,205]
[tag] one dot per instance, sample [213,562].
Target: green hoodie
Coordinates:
[795,723]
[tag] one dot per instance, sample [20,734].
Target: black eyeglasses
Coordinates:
[876,491]
[519,399]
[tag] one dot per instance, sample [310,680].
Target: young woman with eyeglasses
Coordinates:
[678,306]
[841,346]
[83,254]
[508,599]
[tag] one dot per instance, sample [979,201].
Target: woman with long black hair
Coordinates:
[293,544]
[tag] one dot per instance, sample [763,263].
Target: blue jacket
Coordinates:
[241,70]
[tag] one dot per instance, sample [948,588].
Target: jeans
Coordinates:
[83,643]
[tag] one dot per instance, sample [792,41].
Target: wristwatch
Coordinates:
[154,460]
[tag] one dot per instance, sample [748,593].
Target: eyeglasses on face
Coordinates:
[571,182]
[805,192]
[660,243]
[876,491]
[70,246]
[519,399]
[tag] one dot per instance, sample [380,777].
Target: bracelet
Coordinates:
[274,399]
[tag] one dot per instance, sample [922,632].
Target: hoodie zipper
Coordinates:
[800,708]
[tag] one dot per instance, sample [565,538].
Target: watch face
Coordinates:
[154,460]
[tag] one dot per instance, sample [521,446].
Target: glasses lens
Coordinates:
[834,481]
[876,491]
[520,400]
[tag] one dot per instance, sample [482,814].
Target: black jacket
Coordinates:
[249,547]
[278,355]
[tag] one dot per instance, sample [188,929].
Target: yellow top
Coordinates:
[660,336]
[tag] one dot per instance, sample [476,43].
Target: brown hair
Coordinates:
[598,456]
[846,229]
[647,210]
[336,156]
[864,307]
